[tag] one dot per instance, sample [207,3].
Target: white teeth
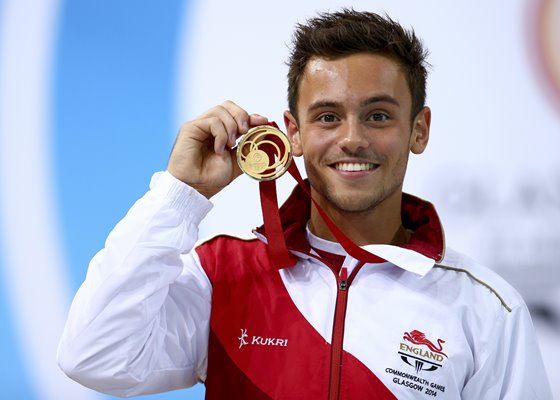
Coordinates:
[354,166]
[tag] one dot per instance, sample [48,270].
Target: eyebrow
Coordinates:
[384,98]
[323,104]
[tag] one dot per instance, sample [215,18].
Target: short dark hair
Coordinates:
[347,32]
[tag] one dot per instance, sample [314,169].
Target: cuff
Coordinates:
[191,205]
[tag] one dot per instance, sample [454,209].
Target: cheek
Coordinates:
[395,142]
[312,146]
[390,148]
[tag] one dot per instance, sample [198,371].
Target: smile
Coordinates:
[353,167]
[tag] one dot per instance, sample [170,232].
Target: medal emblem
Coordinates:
[264,153]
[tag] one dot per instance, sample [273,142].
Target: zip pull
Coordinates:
[343,285]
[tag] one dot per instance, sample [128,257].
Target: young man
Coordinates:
[154,314]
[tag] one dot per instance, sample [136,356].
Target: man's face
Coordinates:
[354,130]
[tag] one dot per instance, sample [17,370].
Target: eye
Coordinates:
[378,117]
[328,118]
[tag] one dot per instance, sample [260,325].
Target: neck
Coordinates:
[379,225]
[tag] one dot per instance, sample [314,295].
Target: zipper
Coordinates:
[343,283]
[338,334]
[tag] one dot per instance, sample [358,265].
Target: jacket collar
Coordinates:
[425,248]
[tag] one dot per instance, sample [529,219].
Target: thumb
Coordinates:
[235,169]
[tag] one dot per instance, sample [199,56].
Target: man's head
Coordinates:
[357,92]
[340,34]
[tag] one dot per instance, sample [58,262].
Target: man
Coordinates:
[422,321]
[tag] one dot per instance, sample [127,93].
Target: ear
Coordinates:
[293,133]
[421,131]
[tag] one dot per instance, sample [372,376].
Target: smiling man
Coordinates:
[412,319]
[356,128]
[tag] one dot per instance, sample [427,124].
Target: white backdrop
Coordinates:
[91,96]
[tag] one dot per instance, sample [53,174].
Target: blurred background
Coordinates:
[92,94]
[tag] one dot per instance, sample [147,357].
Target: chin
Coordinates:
[353,204]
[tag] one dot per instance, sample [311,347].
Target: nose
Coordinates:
[353,137]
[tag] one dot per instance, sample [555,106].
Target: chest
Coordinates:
[303,325]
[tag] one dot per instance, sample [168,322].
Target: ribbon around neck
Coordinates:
[277,249]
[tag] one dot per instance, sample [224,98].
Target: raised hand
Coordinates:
[203,156]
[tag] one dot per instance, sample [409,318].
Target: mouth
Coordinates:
[355,166]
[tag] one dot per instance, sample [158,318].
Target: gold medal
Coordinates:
[264,153]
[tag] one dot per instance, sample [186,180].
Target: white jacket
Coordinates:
[152,313]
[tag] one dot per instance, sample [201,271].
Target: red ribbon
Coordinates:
[277,249]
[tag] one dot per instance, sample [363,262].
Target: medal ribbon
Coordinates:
[278,251]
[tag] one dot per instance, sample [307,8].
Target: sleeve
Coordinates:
[139,323]
[510,367]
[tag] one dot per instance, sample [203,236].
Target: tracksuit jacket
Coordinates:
[425,322]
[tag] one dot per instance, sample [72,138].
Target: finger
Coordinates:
[240,115]
[219,130]
[228,121]
[211,128]
[256,119]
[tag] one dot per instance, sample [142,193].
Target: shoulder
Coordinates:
[227,244]
[484,283]
[228,257]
